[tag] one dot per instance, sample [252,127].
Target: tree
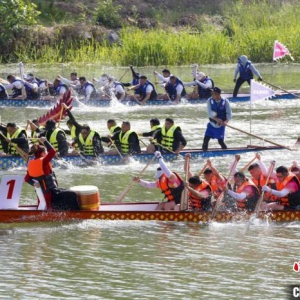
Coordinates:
[13,15]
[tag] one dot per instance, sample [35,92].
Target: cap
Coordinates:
[159,173]
[216,90]
[200,75]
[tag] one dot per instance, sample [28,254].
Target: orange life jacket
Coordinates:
[172,194]
[194,201]
[280,185]
[214,185]
[35,171]
[263,181]
[249,202]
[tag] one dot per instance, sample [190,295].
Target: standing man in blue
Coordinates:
[219,114]
[246,70]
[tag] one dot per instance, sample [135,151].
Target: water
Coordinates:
[156,260]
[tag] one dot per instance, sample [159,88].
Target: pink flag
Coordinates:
[280,51]
[259,91]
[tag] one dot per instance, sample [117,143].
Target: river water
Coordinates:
[156,260]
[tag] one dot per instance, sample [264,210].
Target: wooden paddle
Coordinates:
[259,137]
[123,74]
[261,198]
[156,143]
[248,164]
[88,162]
[203,169]
[221,196]
[60,115]
[22,77]
[184,194]
[113,143]
[125,192]
[279,88]
[21,152]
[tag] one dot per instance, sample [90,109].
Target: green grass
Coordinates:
[250,31]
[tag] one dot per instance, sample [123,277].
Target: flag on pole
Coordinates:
[260,91]
[280,51]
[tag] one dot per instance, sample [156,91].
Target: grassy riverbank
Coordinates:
[238,29]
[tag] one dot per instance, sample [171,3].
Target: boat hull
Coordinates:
[136,211]
[9,162]
[103,103]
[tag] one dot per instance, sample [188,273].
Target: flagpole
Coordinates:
[250,111]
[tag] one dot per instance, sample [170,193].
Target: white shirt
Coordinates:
[67,81]
[17,84]
[149,89]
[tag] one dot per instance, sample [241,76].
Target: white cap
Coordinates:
[200,75]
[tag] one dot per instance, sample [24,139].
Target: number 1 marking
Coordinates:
[11,184]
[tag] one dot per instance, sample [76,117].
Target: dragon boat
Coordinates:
[9,162]
[107,102]
[91,208]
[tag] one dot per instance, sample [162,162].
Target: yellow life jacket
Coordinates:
[53,138]
[87,144]
[112,128]
[124,141]
[11,149]
[168,137]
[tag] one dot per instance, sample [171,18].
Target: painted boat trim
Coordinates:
[136,211]
[9,162]
[103,103]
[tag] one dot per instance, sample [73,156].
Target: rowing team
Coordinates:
[269,189]
[121,140]
[31,87]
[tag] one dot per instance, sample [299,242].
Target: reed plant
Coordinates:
[247,30]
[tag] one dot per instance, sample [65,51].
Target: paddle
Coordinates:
[258,137]
[156,143]
[60,115]
[184,193]
[277,87]
[22,153]
[123,74]
[261,198]
[84,159]
[113,143]
[248,164]
[221,196]
[22,77]
[125,192]
[203,169]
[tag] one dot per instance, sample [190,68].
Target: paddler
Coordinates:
[245,192]
[287,190]
[170,138]
[14,135]
[155,127]
[127,140]
[169,182]
[199,196]
[40,174]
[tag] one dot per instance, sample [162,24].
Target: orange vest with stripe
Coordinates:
[194,201]
[282,184]
[172,194]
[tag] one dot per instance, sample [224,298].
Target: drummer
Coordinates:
[40,174]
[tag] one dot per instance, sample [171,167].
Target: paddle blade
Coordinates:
[124,193]
[184,200]
[297,144]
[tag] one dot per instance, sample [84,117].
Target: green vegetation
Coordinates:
[241,29]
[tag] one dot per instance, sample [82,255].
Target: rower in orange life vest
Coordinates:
[169,182]
[214,178]
[40,174]
[199,195]
[259,175]
[287,190]
[245,192]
